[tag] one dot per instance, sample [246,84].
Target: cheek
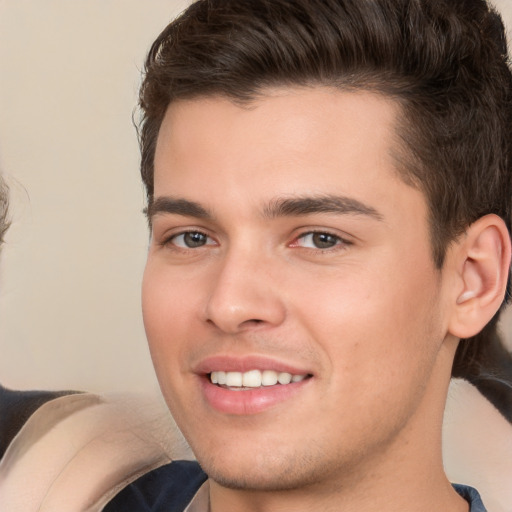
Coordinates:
[165,303]
[380,341]
[166,306]
[375,324]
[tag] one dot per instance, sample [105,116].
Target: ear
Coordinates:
[482,264]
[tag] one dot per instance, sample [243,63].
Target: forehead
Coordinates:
[288,141]
[293,114]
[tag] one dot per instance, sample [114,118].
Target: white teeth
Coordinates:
[284,378]
[234,379]
[253,378]
[269,378]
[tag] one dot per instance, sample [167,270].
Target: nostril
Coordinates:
[252,321]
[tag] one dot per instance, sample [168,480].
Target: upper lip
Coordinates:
[229,363]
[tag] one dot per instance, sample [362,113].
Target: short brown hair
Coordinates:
[444,61]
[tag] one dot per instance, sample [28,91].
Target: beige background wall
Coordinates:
[70,274]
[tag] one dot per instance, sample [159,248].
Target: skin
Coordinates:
[367,317]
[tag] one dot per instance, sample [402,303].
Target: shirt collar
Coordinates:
[201,500]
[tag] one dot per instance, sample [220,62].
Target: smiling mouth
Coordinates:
[254,379]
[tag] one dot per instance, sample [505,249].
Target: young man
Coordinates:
[329,194]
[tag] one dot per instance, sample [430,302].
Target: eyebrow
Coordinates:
[280,207]
[176,206]
[298,206]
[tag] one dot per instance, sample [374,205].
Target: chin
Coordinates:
[262,480]
[263,472]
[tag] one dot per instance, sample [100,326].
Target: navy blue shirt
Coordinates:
[170,488]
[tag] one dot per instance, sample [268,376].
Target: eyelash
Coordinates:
[170,240]
[340,243]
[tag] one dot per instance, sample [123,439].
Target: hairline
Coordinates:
[400,152]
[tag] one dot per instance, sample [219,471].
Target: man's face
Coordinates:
[285,246]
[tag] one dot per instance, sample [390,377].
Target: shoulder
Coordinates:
[169,488]
[16,407]
[477,445]
[110,438]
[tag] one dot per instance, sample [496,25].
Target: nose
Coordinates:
[245,294]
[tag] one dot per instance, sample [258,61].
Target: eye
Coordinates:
[191,240]
[318,240]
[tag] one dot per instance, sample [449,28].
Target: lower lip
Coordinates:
[249,401]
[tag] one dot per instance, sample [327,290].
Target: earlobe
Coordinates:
[483,265]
